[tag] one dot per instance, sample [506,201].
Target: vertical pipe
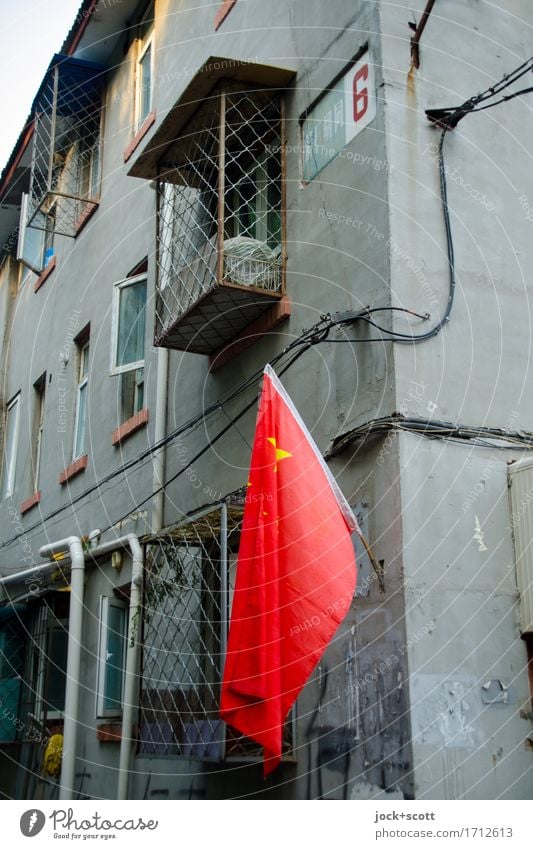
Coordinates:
[132,667]
[415,53]
[158,502]
[221,186]
[72,692]
[131,673]
[224,606]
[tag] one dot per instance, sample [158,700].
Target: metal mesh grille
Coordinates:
[66,148]
[220,189]
[189,578]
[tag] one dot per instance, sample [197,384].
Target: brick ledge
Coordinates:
[223,12]
[139,135]
[85,216]
[74,469]
[30,502]
[130,426]
[45,274]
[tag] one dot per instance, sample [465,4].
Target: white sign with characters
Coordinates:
[343,111]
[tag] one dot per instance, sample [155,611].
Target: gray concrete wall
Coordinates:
[460,581]
[331,266]
[469,739]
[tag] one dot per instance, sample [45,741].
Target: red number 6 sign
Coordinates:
[360,97]
[360,93]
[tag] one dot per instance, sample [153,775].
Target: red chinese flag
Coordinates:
[296,574]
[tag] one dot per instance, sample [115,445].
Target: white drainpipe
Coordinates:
[72,691]
[160,433]
[28,574]
[132,653]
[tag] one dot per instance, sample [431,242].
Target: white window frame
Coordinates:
[37,268]
[105,603]
[9,465]
[145,43]
[115,313]
[83,381]
[136,393]
[40,391]
[47,622]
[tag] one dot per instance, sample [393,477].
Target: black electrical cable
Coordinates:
[318,334]
[504,99]
[232,422]
[305,340]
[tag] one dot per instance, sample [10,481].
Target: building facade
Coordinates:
[201,190]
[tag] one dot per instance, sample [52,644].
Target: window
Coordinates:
[66,146]
[9,459]
[253,202]
[81,400]
[129,324]
[38,419]
[12,634]
[45,676]
[56,676]
[131,393]
[144,69]
[36,242]
[188,585]
[111,656]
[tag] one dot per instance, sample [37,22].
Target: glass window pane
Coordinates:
[31,245]
[57,665]
[10,452]
[145,83]
[131,323]
[131,393]
[114,657]
[79,444]
[84,362]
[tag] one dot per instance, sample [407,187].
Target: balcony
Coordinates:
[221,205]
[64,183]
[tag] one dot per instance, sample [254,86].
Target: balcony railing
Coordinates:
[221,220]
[64,186]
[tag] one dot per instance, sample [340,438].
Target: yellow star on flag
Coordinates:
[280,453]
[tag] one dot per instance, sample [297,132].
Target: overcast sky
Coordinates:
[32,31]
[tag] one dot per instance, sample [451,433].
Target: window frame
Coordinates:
[115,319]
[46,238]
[39,408]
[138,393]
[81,386]
[10,464]
[145,42]
[42,664]
[105,603]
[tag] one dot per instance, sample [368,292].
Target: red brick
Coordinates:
[30,502]
[74,469]
[140,134]
[45,274]
[225,8]
[85,216]
[130,426]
